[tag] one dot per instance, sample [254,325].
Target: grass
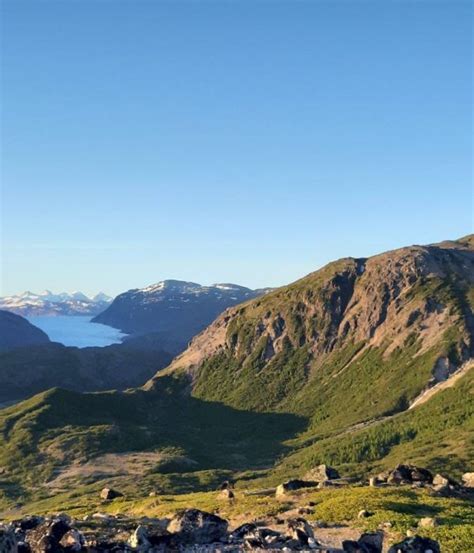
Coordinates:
[262,420]
[402,507]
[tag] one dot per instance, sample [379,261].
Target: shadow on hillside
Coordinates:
[215,436]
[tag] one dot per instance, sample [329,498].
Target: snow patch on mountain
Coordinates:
[47,303]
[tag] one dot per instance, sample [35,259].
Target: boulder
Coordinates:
[8,543]
[109,493]
[73,541]
[409,474]
[262,538]
[46,537]
[253,536]
[416,544]
[439,480]
[368,543]
[241,531]
[292,485]
[197,527]
[468,479]
[321,473]
[30,522]
[298,529]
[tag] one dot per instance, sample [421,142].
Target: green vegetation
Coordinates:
[293,386]
[402,507]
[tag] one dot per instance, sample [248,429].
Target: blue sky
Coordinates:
[238,141]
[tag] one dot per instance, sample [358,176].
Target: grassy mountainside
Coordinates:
[323,370]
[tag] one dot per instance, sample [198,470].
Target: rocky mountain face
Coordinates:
[329,369]
[173,310]
[46,303]
[15,331]
[417,299]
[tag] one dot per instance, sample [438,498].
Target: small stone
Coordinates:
[364,514]
[226,494]
[427,522]
[439,480]
[468,479]
[109,493]
[102,516]
[373,481]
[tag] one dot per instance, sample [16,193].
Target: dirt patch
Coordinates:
[116,464]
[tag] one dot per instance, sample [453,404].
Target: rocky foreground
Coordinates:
[190,530]
[197,530]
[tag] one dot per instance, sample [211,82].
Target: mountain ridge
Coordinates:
[323,370]
[173,309]
[47,303]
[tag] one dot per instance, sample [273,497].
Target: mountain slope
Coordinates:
[15,331]
[332,361]
[29,370]
[173,310]
[46,303]
[406,310]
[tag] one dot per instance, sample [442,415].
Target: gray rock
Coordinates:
[109,493]
[321,473]
[8,543]
[409,474]
[197,527]
[367,543]
[292,485]
[73,541]
[46,537]
[416,544]
[299,529]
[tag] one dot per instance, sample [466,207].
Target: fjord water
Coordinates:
[77,331]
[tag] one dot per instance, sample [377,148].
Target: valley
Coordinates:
[362,365]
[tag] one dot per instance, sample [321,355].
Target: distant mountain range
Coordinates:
[173,310]
[46,303]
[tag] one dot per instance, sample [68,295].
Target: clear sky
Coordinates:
[241,141]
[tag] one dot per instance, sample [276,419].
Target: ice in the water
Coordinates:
[77,331]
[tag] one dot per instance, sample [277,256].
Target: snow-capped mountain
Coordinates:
[47,303]
[175,309]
